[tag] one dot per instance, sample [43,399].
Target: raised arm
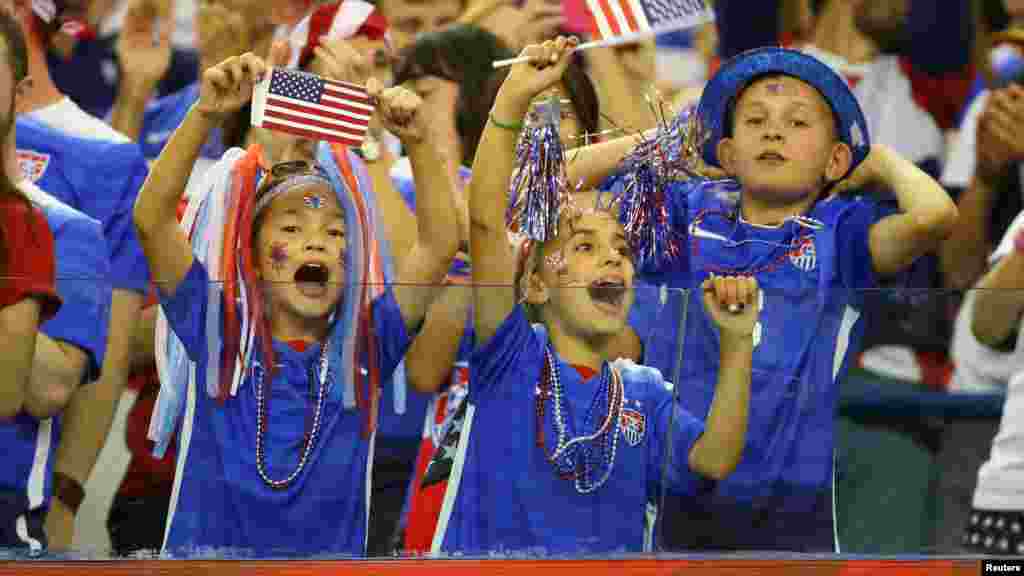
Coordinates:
[144,53]
[494,262]
[717,452]
[927,216]
[225,89]
[423,268]
[429,361]
[999,295]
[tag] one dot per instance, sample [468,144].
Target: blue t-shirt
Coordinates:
[98,178]
[222,503]
[163,116]
[30,445]
[810,327]
[510,499]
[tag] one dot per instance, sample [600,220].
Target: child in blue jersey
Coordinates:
[281,466]
[787,129]
[566,449]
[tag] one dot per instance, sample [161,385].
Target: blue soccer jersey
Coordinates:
[99,178]
[812,273]
[81,277]
[510,499]
[163,116]
[220,502]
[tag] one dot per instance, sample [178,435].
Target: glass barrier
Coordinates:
[506,434]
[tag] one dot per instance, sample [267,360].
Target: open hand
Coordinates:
[228,86]
[733,302]
[144,44]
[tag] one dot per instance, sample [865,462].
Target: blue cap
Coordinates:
[737,73]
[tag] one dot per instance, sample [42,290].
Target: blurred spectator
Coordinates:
[989,352]
[221,32]
[89,72]
[984,174]
[517,22]
[408,19]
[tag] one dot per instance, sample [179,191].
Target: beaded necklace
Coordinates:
[807,227]
[580,458]
[309,438]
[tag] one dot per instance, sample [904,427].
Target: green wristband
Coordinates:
[514,126]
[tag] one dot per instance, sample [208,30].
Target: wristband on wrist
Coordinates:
[1018,242]
[514,126]
[68,490]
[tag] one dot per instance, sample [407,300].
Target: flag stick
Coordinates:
[693,20]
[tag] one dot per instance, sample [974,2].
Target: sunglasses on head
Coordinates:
[293,167]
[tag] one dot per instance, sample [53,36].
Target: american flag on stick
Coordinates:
[312,107]
[618,21]
[615,22]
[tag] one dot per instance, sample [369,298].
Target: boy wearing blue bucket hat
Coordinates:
[794,143]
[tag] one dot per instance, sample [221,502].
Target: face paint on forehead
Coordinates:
[785,86]
[313,201]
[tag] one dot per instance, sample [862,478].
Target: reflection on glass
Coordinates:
[507,447]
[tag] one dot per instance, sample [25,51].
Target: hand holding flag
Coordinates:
[614,22]
[228,86]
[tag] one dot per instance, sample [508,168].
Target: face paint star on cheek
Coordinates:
[278,256]
[557,263]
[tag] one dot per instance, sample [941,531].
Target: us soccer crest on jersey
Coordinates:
[634,424]
[805,256]
[32,164]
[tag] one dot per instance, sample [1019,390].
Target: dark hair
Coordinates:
[994,15]
[817,6]
[463,54]
[17,48]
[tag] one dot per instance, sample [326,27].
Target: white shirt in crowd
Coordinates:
[960,166]
[65,116]
[979,368]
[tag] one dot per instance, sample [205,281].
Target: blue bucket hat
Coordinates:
[737,73]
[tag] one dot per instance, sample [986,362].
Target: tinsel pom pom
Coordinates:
[672,155]
[538,188]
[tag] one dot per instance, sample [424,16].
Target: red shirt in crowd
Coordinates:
[30,271]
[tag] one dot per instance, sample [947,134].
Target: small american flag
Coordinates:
[312,107]
[614,21]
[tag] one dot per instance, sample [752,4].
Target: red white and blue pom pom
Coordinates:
[538,189]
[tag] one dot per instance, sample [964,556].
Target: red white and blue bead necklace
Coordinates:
[309,439]
[581,458]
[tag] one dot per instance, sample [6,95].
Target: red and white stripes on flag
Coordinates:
[616,21]
[312,107]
